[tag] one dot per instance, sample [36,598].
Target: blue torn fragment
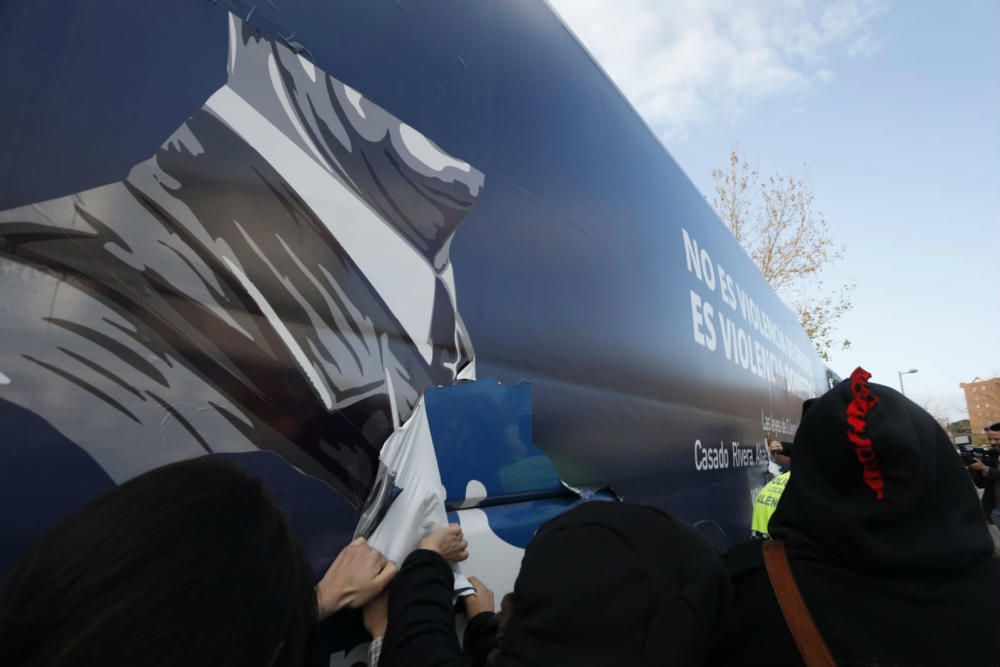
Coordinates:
[482,431]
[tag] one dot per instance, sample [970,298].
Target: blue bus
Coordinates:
[282,231]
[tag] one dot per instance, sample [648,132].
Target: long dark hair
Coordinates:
[190,564]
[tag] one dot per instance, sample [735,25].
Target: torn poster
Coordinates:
[410,465]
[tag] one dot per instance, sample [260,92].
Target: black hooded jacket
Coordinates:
[603,585]
[886,540]
[615,584]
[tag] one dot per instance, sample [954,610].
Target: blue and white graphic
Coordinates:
[275,277]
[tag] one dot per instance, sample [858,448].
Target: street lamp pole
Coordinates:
[901,374]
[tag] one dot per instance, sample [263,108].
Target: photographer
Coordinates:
[987,476]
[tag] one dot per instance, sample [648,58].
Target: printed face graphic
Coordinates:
[276,276]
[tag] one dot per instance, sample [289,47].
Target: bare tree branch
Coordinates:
[775,221]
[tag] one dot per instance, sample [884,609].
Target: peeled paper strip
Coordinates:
[418,510]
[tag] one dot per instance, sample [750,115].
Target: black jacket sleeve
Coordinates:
[480,637]
[421,627]
[985,478]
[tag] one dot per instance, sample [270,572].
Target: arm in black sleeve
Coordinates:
[985,478]
[786,449]
[421,627]
[480,637]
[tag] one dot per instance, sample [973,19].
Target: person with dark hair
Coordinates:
[880,554]
[616,584]
[987,477]
[604,584]
[190,564]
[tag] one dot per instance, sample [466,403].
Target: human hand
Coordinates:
[978,466]
[449,542]
[480,601]
[358,574]
[375,615]
[775,447]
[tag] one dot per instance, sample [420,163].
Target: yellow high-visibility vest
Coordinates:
[765,503]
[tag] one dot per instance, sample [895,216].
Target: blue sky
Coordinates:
[891,109]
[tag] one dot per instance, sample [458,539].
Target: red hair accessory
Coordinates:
[857,430]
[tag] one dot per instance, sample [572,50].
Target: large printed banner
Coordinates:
[275,277]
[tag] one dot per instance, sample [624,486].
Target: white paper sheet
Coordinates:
[419,509]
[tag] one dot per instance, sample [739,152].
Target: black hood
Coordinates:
[878,487]
[615,584]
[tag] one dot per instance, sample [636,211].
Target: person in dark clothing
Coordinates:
[412,624]
[615,584]
[987,477]
[886,543]
[603,584]
[485,629]
[421,623]
[189,565]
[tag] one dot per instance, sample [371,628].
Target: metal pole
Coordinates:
[901,390]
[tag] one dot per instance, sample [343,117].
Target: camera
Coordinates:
[987,455]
